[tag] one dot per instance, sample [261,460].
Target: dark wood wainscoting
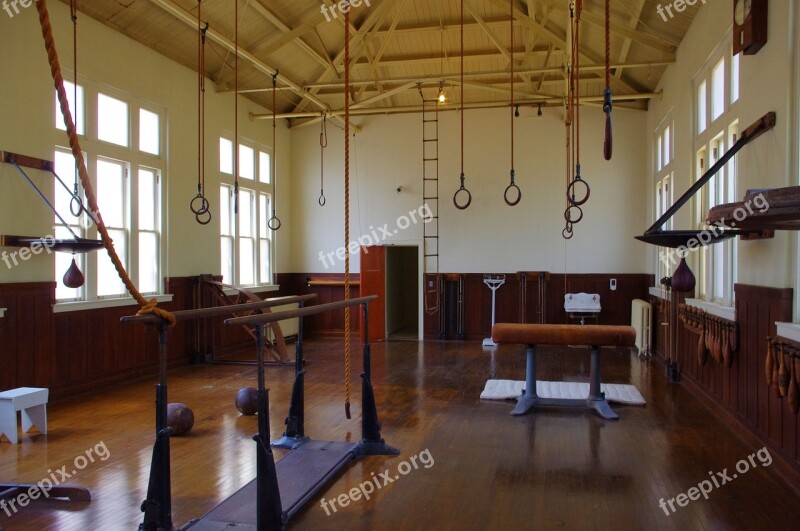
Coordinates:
[74,353]
[740,393]
[478,300]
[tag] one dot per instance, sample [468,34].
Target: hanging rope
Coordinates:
[576,184]
[75,203]
[609,142]
[462,189]
[274,223]
[199,204]
[147,307]
[512,187]
[323,143]
[236,107]
[347,211]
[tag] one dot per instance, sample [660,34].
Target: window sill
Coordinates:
[254,289]
[716,309]
[656,291]
[63,307]
[789,331]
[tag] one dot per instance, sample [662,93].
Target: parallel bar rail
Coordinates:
[266,318]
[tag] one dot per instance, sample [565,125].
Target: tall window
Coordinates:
[123,142]
[245,239]
[718,129]
[664,152]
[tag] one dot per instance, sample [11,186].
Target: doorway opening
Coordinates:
[402,292]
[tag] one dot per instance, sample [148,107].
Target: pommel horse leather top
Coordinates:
[594,336]
[558,334]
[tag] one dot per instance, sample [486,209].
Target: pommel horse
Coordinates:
[595,336]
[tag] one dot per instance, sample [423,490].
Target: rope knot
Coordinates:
[152,308]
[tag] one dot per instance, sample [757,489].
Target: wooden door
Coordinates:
[373,282]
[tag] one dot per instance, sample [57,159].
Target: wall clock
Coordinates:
[750,24]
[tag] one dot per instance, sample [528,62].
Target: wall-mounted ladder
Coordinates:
[430,197]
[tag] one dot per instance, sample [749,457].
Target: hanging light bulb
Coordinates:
[442,97]
[73,278]
[540,110]
[516,111]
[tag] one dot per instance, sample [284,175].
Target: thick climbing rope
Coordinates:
[147,307]
[236,107]
[347,211]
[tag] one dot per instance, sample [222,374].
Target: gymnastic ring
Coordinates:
[202,209]
[274,223]
[567,233]
[568,214]
[571,193]
[455,199]
[76,200]
[321,200]
[519,194]
[201,220]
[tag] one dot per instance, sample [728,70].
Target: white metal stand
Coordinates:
[494,284]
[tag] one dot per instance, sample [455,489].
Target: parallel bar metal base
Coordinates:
[66,492]
[301,475]
[596,399]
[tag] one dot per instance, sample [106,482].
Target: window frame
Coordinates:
[133,159]
[257,187]
[716,265]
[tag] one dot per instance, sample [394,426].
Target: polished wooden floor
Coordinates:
[555,468]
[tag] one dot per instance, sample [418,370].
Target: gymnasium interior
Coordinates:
[399,264]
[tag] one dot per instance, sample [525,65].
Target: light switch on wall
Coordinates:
[613,284]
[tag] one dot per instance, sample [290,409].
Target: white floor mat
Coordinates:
[506,389]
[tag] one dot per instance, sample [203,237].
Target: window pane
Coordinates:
[77,111]
[226,259]
[735,78]
[246,162]
[263,215]
[65,168]
[108,281]
[112,120]
[245,213]
[147,200]
[701,107]
[719,270]
[111,193]
[225,156]
[149,132]
[148,262]
[246,261]
[263,271]
[718,90]
[667,147]
[225,211]
[63,262]
[264,168]
[658,153]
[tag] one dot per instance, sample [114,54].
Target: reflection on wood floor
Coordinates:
[555,468]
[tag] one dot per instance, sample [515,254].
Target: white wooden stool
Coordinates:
[32,401]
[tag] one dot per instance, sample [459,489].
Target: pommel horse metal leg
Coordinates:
[596,399]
